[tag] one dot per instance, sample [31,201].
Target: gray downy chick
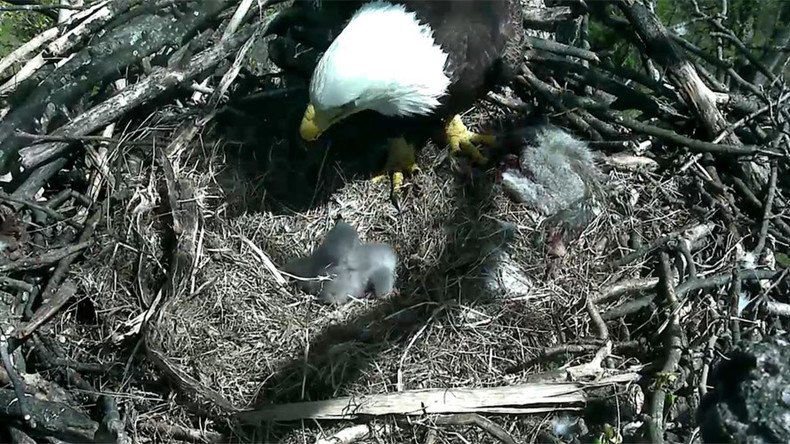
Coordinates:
[350,268]
[341,240]
[368,267]
[554,171]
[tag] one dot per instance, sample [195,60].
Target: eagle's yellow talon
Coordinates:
[400,162]
[461,140]
[379,178]
[308,129]
[397,180]
[471,151]
[485,139]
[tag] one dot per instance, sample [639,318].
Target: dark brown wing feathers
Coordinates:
[476,35]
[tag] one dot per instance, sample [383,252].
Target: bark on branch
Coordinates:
[661,48]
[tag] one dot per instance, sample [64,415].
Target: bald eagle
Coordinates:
[422,62]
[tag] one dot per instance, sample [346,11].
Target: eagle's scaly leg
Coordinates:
[462,140]
[400,161]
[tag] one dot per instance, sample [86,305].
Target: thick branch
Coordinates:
[680,71]
[52,418]
[158,82]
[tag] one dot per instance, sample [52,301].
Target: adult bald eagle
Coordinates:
[416,61]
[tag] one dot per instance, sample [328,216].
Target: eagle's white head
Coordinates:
[384,60]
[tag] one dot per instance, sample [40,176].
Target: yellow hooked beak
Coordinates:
[310,129]
[315,123]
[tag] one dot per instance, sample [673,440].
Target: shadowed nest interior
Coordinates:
[250,339]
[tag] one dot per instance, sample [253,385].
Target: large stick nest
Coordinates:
[145,222]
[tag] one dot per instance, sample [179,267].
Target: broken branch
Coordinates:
[515,399]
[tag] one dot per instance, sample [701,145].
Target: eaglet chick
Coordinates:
[342,267]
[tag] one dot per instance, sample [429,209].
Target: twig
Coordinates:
[628,95]
[627,308]
[60,198]
[65,13]
[597,320]
[723,205]
[186,221]
[22,53]
[546,19]
[602,110]
[111,428]
[777,308]
[7,282]
[235,21]
[55,362]
[750,198]
[692,234]
[707,76]
[748,118]
[158,82]
[530,80]
[572,349]
[48,309]
[625,287]
[661,48]
[600,126]
[31,300]
[42,208]
[180,433]
[16,381]
[276,93]
[563,49]
[186,383]
[769,201]
[20,437]
[723,279]
[22,74]
[53,294]
[485,424]
[44,259]
[684,248]
[41,138]
[355,433]
[233,72]
[265,260]
[431,437]
[719,43]
[53,419]
[399,374]
[59,39]
[734,312]
[97,14]
[237,18]
[48,351]
[692,144]
[512,104]
[38,178]
[707,359]
[38,8]
[550,352]
[673,343]
[99,158]
[726,33]
[689,286]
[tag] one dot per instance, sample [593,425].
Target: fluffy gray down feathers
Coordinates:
[556,171]
[343,267]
